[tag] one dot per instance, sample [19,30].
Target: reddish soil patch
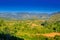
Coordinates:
[51,34]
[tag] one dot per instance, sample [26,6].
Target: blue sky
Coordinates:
[30,5]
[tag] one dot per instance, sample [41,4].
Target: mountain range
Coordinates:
[24,15]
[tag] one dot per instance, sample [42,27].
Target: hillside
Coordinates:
[54,17]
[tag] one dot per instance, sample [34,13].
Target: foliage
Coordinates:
[57,37]
[29,29]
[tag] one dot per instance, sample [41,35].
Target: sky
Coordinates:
[30,5]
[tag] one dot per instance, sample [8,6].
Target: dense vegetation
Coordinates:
[30,29]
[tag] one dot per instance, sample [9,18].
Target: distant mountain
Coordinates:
[24,15]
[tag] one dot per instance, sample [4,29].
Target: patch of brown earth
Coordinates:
[51,34]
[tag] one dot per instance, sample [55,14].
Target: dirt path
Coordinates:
[50,34]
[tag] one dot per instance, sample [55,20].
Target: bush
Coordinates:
[57,37]
[8,37]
